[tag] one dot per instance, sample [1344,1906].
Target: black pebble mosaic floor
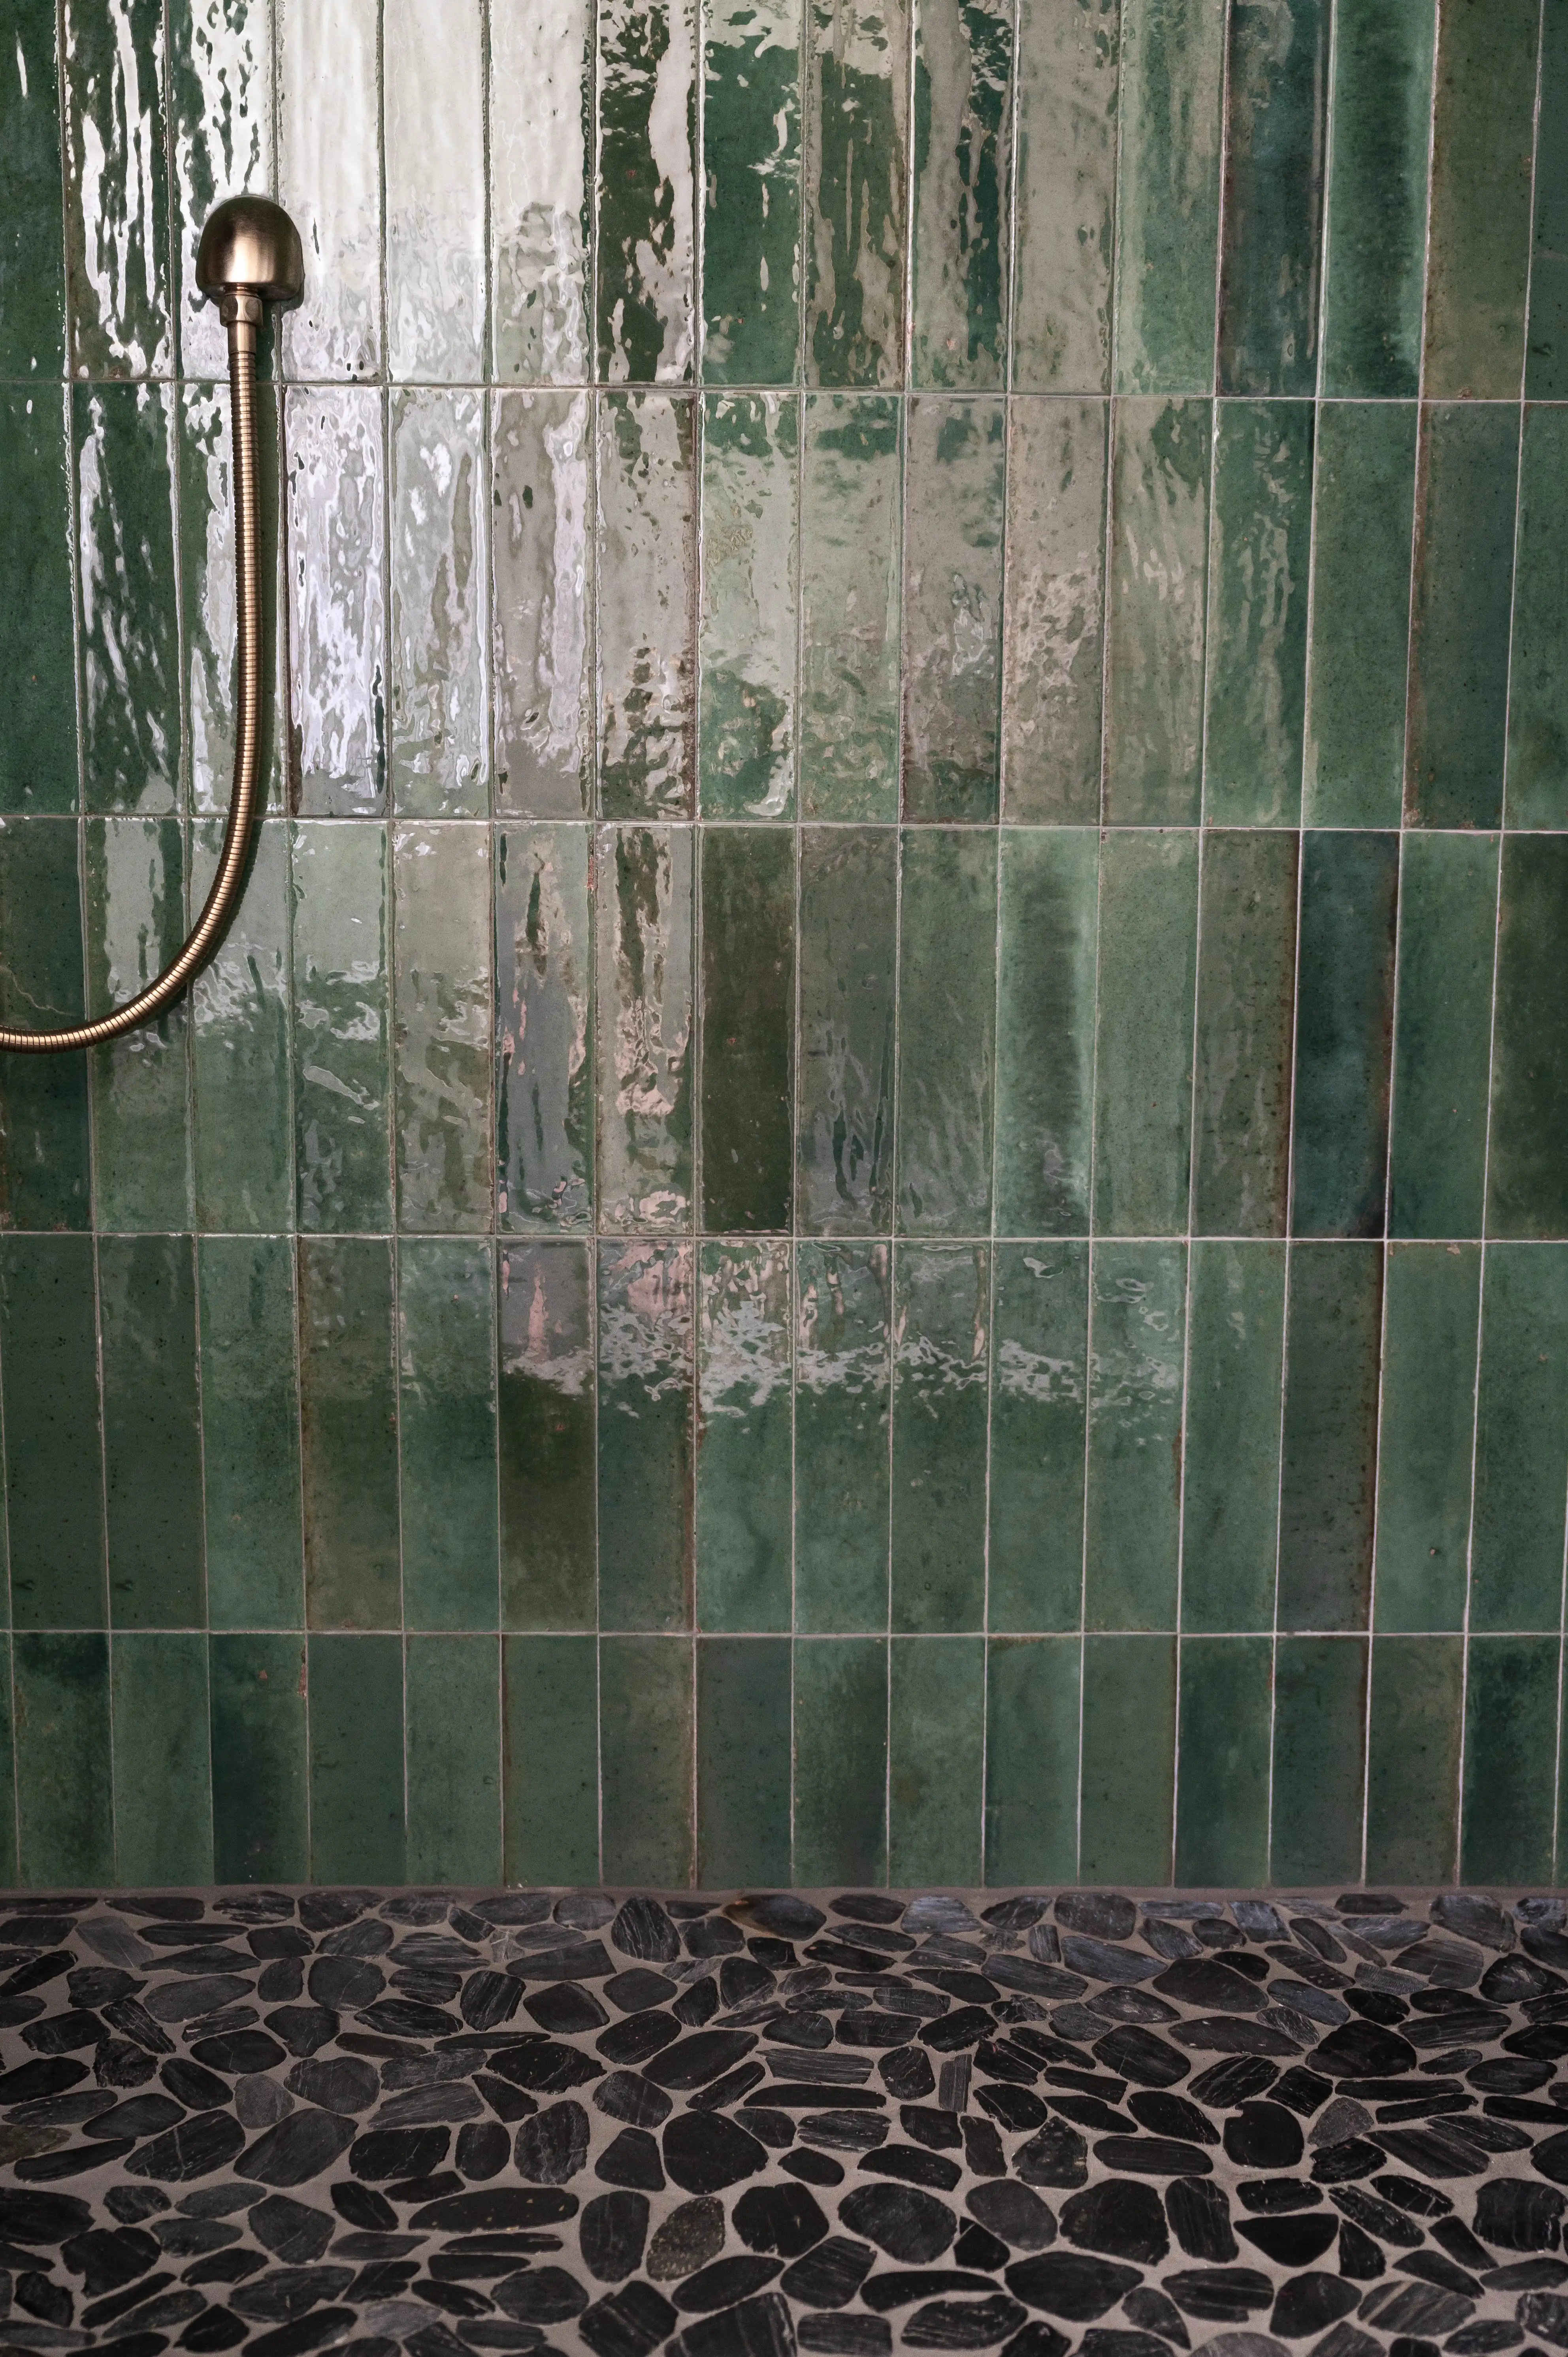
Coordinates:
[848,2123]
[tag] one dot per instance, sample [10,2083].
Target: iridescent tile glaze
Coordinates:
[432,138]
[643,1019]
[117,185]
[545,1143]
[1053,639]
[542,552]
[647,571]
[220,109]
[337,577]
[851,587]
[1069,56]
[857,99]
[962,227]
[135,923]
[646,228]
[745,730]
[954,496]
[329,177]
[124,438]
[540,188]
[439,606]
[342,1083]
[442,1001]
[751,174]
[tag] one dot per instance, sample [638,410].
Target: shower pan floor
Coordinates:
[460,2122]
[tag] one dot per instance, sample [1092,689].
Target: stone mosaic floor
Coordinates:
[850,2123]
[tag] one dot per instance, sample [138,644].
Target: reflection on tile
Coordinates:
[952,609]
[1258,571]
[337,759]
[545,1409]
[747,724]
[135,918]
[1131,1517]
[751,162]
[858,100]
[540,207]
[329,177]
[1038,1395]
[342,1085]
[744,1442]
[442,994]
[645,1316]
[1276,91]
[643,1038]
[241,1119]
[851,578]
[1068,60]
[117,184]
[646,563]
[1053,611]
[433,139]
[544,1079]
[32,272]
[646,246]
[439,621]
[962,235]
[843,1384]
[542,554]
[1159,539]
[847,925]
[1167,197]
[124,438]
[938,1436]
[220,102]
[208,593]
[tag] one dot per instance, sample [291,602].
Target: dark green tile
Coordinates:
[1064,195]
[250,1433]
[446,1439]
[645,556]
[744,1447]
[48,1372]
[1044,1054]
[544,1071]
[1478,234]
[1546,359]
[1343,1032]
[445,1027]
[1132,1517]
[1433,1294]
[152,1433]
[163,1777]
[1167,195]
[645,1438]
[1159,562]
[1537,702]
[117,181]
[936,1752]
[1230,1484]
[954,490]
[1257,575]
[65,1818]
[1128,1759]
[1317,1796]
[1375,259]
[645,1760]
[545,1414]
[1329,1442]
[141,1083]
[748,1027]
[947,1019]
[8,1861]
[847,927]
[454,1760]
[1442,1034]
[963,231]
[260,1793]
[551,1759]
[642,984]
[1527,1179]
[32,251]
[1508,1806]
[123,440]
[44,1145]
[242,1120]
[1222,1800]
[840,1762]
[1276,98]
[751,169]
[1413,1759]
[851,586]
[1053,606]
[1142,1079]
[37,758]
[647,164]
[357,1759]
[342,1078]
[349,1423]
[1466,483]
[1040,1348]
[748,631]
[1031,1759]
[939,1438]
[856,165]
[1521,1439]
[742,1760]
[1364,501]
[1246,994]
[842,1381]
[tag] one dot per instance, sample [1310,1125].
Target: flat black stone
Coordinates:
[1121,2217]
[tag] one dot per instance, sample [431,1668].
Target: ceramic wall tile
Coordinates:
[241,1117]
[45,1136]
[841,1761]
[433,142]
[1467,482]
[745,1441]
[1363,491]
[1375,241]
[540,188]
[954,493]
[1527,1194]
[1065,201]
[141,1122]
[1478,237]
[947,1031]
[748,638]
[446,1434]
[250,1432]
[117,236]
[541,553]
[442,997]
[1031,1759]
[152,1437]
[963,231]
[1258,580]
[349,1427]
[161,1758]
[357,1802]
[1245,1057]
[1343,1033]
[1158,571]
[32,272]
[1137,1344]
[438,619]
[742,1758]
[847,929]
[1276,96]
[543,1075]
[643,1026]
[647,1834]
[337,601]
[64,1810]
[747,1088]
[1053,611]
[934,1792]
[1442,1038]
[646,212]
[751,172]
[39,758]
[1039,1393]
[1510,1708]
[50,1384]
[1538,719]
[124,437]
[545,1424]
[842,1397]
[1425,1436]
[550,1706]
[855,150]
[1329,1437]
[1167,197]
[1318,1798]
[645,1318]
[454,1764]
[342,1079]
[221,96]
[1143,1050]
[1230,1464]
[942,1321]
[1223,1802]
[207,590]
[1047,957]
[259,1789]
[1546,344]
[851,584]
[645,515]
[1521,1439]
[1127,1775]
[1413,1759]
[329,177]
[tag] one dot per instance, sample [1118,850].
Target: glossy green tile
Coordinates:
[1546,349]
[1031,1759]
[1053,618]
[646,194]
[117,185]
[1044,1053]
[645,1438]
[260,1787]
[545,1424]
[1039,1347]
[442,992]
[250,1433]
[840,1762]
[543,1084]
[1375,242]
[935,1766]
[1222,1794]
[751,173]
[645,1760]
[1442,1035]
[32,253]
[1538,714]
[1343,1032]
[1142,1079]
[850,588]
[954,501]
[141,1083]
[940,1415]
[747,1085]
[646,493]
[1318,1795]
[1526,1184]
[1127,1795]
[205,458]
[1167,195]
[541,577]
[642,1040]
[45,1140]
[1159,541]
[1460,606]
[842,1388]
[947,1031]
[221,100]
[1230,1478]
[1413,1759]
[65,1818]
[357,1805]
[1364,496]
[152,1432]
[439,622]
[49,1383]
[433,169]
[163,1776]
[1258,574]
[743,1760]
[1478,235]
[454,1760]
[1433,1294]
[349,1427]
[846,930]
[744,1445]
[342,1079]
[8,1860]
[856,161]
[37,758]
[329,175]
[960,250]
[1132,1514]
[540,190]
[1064,195]
[1246,992]
[746,724]
[1507,1806]
[1521,1439]
[550,1707]
[241,1118]
[446,1441]
[336,523]
[1330,1440]
[1276,93]
[122,437]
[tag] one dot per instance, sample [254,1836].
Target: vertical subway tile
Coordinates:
[1375,242]
[1413,1759]
[1478,235]
[941,1348]
[242,1119]
[848,894]
[955,477]
[1039,1387]
[45,1141]
[645,1760]
[123,441]
[646,248]
[1318,1795]
[963,171]
[1127,1800]
[742,1760]
[1257,613]
[260,1781]
[645,1470]
[1053,618]
[751,175]
[439,687]
[220,105]
[1538,702]
[745,730]
[117,184]
[935,1772]
[446,1435]
[32,254]
[1246,989]
[48,1374]
[855,145]
[342,1085]
[330,176]
[545,1426]
[37,758]
[1045,1050]
[1364,492]
[1456,724]
[64,1788]
[643,1026]
[1508,1806]
[842,1393]
[1521,1439]
[337,573]
[357,1809]
[162,1758]
[1222,1794]
[645,514]
[1159,541]
[1066,173]
[746,1089]
[1143,1081]
[947,1018]
[441,995]
[152,1432]
[1133,1516]
[1276,88]
[1329,1441]
[348,1421]
[851,582]
[250,1433]
[544,1081]
[207,588]
[840,1762]
[540,194]
[1443,1036]
[542,556]
[1424,1441]
[550,1717]
[744,1442]
[1343,1033]
[1167,197]
[432,141]
[135,920]
[1230,1481]
[1031,1759]
[1526,1183]
[1545,376]
[453,1763]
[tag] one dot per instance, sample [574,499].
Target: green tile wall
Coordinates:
[875,1186]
